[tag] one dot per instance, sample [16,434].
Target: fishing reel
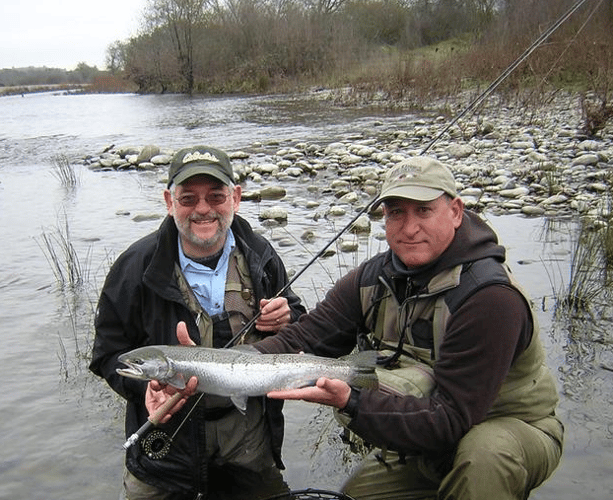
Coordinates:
[156,444]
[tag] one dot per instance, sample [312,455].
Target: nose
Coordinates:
[202,204]
[410,225]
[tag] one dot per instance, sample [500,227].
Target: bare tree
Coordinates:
[181,18]
[115,57]
[325,6]
[150,62]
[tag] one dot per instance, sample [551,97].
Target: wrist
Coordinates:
[351,408]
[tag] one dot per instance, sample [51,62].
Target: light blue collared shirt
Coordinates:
[209,285]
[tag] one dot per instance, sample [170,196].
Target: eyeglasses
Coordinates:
[191,200]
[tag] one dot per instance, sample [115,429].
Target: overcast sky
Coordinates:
[65,33]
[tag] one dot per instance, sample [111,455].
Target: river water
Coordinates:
[61,427]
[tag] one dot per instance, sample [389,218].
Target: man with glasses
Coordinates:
[207,271]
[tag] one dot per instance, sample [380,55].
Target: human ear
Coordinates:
[457,208]
[168,200]
[236,197]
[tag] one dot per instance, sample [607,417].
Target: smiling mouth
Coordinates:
[203,222]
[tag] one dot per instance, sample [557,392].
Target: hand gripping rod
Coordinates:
[153,420]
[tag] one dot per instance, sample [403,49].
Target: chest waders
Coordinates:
[215,331]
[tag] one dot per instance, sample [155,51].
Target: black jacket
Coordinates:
[141,304]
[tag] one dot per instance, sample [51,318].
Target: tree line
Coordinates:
[217,45]
[214,46]
[34,76]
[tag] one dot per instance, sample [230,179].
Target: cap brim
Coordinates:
[416,193]
[192,170]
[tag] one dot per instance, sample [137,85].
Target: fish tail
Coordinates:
[366,380]
[363,359]
[365,375]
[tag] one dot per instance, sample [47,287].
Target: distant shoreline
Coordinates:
[31,89]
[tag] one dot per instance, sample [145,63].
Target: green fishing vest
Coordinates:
[528,392]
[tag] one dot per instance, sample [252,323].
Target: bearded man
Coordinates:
[205,270]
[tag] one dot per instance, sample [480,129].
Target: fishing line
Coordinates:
[573,39]
[539,41]
[309,251]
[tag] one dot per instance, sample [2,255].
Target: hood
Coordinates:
[474,240]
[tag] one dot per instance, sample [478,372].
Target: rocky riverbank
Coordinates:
[506,159]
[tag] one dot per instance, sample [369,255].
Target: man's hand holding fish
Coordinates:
[331,392]
[157,394]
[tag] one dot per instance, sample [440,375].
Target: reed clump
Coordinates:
[590,281]
[63,258]
[65,172]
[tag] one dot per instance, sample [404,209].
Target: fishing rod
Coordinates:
[154,420]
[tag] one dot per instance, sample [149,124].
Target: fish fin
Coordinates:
[240,402]
[362,360]
[176,381]
[365,359]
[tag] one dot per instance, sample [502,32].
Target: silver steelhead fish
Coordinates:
[238,374]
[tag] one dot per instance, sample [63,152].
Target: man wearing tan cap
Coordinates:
[465,407]
[205,273]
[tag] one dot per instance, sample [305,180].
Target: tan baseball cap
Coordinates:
[419,178]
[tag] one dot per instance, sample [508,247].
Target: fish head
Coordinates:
[145,363]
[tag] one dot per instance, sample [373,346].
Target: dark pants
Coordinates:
[241,462]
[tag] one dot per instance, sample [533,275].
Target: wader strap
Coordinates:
[239,298]
[438,325]
[221,327]
[370,338]
[378,319]
[372,315]
[204,327]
